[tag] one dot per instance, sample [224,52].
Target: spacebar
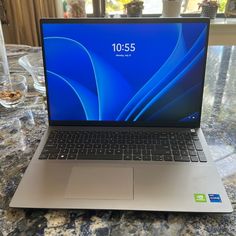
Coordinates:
[99,157]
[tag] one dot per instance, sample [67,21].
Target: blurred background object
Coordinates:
[21,17]
[75,8]
[23,20]
[134,8]
[209,8]
[171,8]
[3,12]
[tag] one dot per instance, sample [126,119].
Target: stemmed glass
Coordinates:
[33,63]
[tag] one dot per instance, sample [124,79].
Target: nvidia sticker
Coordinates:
[200,197]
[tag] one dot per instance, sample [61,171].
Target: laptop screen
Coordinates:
[147,72]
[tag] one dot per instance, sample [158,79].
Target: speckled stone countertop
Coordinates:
[20,132]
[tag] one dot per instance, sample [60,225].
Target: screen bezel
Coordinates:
[123,21]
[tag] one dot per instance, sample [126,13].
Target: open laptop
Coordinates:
[124,107]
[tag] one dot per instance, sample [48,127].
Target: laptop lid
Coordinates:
[134,72]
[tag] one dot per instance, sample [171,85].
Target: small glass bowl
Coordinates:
[13,91]
[33,63]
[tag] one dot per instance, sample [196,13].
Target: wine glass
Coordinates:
[33,63]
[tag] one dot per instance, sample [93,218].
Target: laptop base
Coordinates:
[122,185]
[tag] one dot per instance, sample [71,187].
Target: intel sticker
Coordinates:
[214,197]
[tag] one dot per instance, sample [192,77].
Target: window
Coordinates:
[116,7]
[155,6]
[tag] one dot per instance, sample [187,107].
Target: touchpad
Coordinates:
[100,183]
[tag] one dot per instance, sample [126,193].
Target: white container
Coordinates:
[171,8]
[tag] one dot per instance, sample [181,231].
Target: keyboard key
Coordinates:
[99,157]
[157,157]
[137,152]
[81,156]
[189,142]
[64,151]
[167,147]
[190,147]
[70,140]
[71,145]
[127,151]
[91,151]
[62,156]
[182,147]
[44,156]
[46,152]
[147,158]
[73,151]
[137,157]
[193,133]
[132,146]
[183,153]
[181,143]
[48,146]
[146,152]
[176,152]
[82,151]
[109,151]
[79,145]
[161,152]
[181,158]
[164,142]
[61,145]
[195,138]
[88,145]
[180,137]
[118,151]
[97,145]
[168,158]
[71,157]
[127,157]
[202,156]
[100,151]
[198,145]
[174,147]
[106,146]
[194,158]
[192,153]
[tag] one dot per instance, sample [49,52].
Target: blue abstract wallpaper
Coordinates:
[125,72]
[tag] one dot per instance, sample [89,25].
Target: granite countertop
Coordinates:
[22,128]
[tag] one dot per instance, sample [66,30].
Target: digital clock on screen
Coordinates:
[124,47]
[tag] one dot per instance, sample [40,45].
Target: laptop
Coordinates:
[124,108]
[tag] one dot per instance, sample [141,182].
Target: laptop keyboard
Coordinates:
[128,145]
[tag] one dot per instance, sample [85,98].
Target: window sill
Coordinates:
[223,31]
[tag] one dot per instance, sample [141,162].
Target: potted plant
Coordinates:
[76,8]
[209,8]
[171,8]
[134,8]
